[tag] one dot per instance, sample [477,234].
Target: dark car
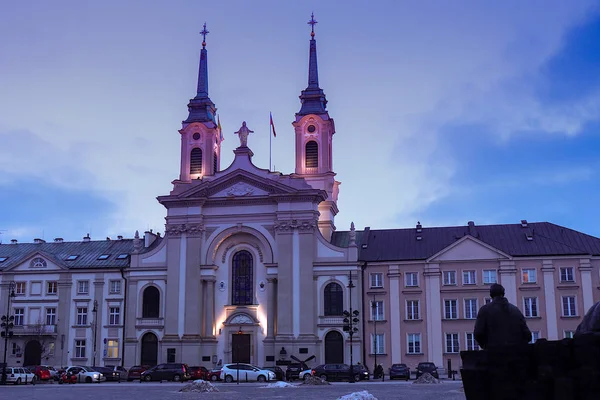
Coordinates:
[109,373]
[340,372]
[427,367]
[176,372]
[293,371]
[213,375]
[198,373]
[135,372]
[399,371]
[279,374]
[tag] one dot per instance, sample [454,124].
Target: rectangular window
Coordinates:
[470,308]
[51,316]
[569,334]
[16,349]
[489,276]
[414,343]
[20,288]
[115,287]
[469,278]
[535,335]
[452,343]
[412,279]
[82,314]
[377,344]
[470,342]
[569,306]
[80,348]
[449,277]
[171,355]
[112,348]
[114,316]
[19,316]
[567,274]
[377,311]
[376,280]
[528,275]
[83,287]
[412,309]
[450,311]
[52,287]
[530,309]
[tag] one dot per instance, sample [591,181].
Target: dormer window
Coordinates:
[38,262]
[72,257]
[196,161]
[311,154]
[104,257]
[122,256]
[2,259]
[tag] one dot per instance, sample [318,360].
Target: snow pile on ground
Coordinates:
[314,380]
[427,378]
[364,395]
[199,386]
[279,384]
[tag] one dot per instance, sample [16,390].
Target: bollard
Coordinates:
[382,376]
[246,377]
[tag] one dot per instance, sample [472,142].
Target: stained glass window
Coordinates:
[243,274]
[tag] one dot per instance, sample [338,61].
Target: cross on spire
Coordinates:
[312,24]
[204,33]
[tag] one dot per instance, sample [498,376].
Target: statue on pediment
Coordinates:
[243,134]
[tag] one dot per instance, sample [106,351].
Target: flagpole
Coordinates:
[270,138]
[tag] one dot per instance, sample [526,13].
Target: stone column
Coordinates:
[585,270]
[396,304]
[434,314]
[508,279]
[271,299]
[549,291]
[209,307]
[98,354]
[63,315]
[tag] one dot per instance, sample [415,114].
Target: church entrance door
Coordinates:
[149,349]
[334,348]
[240,348]
[33,353]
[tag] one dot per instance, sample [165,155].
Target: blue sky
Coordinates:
[445,112]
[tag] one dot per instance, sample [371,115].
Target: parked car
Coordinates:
[166,372]
[135,372]
[19,375]
[54,374]
[198,373]
[231,372]
[399,371]
[293,371]
[303,375]
[41,373]
[121,370]
[109,373]
[279,374]
[427,367]
[214,375]
[333,372]
[85,374]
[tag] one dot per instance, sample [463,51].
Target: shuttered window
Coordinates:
[196,161]
[312,154]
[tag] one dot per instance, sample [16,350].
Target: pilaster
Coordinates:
[549,292]
[434,313]
[585,270]
[508,279]
[395,317]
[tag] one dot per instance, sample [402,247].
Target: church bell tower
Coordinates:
[201,134]
[314,133]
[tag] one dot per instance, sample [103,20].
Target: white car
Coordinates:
[245,372]
[18,375]
[86,374]
[303,375]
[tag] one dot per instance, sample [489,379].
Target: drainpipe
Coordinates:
[362,312]
[124,317]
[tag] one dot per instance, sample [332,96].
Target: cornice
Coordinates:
[307,225]
[191,229]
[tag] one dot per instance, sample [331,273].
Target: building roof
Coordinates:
[58,252]
[517,240]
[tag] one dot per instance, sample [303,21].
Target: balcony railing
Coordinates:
[158,323]
[331,321]
[34,330]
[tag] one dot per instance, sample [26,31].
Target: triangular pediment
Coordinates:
[37,261]
[468,248]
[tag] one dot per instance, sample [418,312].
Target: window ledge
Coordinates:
[379,321]
[78,358]
[451,353]
[569,316]
[414,354]
[536,317]
[414,320]
[378,354]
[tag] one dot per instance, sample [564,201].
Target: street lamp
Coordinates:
[95,311]
[7,325]
[350,322]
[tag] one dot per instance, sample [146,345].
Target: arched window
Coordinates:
[215,163]
[242,278]
[334,299]
[311,155]
[150,302]
[196,161]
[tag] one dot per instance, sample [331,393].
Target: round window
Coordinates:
[311,128]
[196,136]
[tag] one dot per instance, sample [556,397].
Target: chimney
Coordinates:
[87,238]
[419,227]
[149,238]
[472,230]
[523,223]
[120,237]
[38,240]
[14,241]
[58,240]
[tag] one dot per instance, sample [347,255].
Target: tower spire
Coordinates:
[201,107]
[312,98]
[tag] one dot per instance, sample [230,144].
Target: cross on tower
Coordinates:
[204,33]
[312,23]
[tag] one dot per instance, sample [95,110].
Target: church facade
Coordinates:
[251,268]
